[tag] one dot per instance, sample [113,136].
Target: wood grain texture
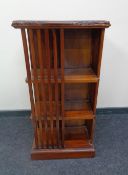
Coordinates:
[60,24]
[47,47]
[56,87]
[44,154]
[62,81]
[77,75]
[43,89]
[36,86]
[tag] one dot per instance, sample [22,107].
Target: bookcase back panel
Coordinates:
[76,91]
[77,48]
[96,36]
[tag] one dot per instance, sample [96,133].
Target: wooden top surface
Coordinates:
[61,24]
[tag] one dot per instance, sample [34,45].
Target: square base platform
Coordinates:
[76,145]
[66,153]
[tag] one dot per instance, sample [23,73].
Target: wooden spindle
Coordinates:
[41,62]
[56,86]
[49,84]
[62,80]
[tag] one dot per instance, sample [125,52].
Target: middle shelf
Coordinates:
[71,75]
[81,112]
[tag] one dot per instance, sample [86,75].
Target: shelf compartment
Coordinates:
[76,137]
[63,153]
[82,110]
[80,75]
[78,109]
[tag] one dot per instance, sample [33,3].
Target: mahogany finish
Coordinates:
[63,60]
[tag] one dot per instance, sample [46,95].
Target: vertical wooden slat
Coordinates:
[49,84]
[25,46]
[100,51]
[56,86]
[28,69]
[62,80]
[41,62]
[98,68]
[36,85]
[92,131]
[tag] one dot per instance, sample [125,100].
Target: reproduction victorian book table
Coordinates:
[63,60]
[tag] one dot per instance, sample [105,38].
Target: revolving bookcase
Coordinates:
[63,60]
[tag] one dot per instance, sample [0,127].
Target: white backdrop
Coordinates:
[113,90]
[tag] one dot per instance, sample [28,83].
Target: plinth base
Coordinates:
[64,153]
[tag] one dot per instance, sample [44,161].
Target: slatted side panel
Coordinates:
[33,57]
[47,103]
[31,91]
[41,50]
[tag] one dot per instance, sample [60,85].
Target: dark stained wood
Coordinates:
[28,70]
[101,40]
[49,82]
[41,62]
[77,75]
[56,86]
[43,154]
[36,87]
[25,46]
[63,60]
[62,81]
[60,24]
[76,145]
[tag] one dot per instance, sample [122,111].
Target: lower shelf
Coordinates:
[76,137]
[76,145]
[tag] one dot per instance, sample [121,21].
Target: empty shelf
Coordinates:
[76,137]
[80,75]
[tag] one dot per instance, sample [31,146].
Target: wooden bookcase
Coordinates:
[63,60]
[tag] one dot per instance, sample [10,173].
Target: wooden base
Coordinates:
[43,154]
[76,145]
[64,153]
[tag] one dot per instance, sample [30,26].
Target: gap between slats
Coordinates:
[31,92]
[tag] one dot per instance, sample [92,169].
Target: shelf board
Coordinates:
[72,75]
[77,115]
[82,111]
[74,115]
[80,75]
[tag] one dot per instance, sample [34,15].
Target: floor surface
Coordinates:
[111,143]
